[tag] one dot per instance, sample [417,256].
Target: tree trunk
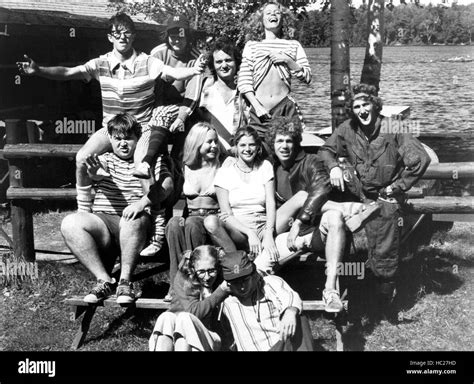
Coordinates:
[340,66]
[373,52]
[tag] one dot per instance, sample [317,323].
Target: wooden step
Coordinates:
[19,151]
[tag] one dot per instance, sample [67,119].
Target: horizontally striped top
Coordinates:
[255,323]
[125,87]
[256,63]
[114,193]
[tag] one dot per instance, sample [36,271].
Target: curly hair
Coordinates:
[186,266]
[193,142]
[227,46]
[287,127]
[366,92]
[254,29]
[250,132]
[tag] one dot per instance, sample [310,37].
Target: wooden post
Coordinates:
[373,52]
[340,68]
[22,219]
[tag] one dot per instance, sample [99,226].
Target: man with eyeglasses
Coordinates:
[127,80]
[264,312]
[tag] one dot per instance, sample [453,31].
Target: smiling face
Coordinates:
[209,150]
[363,110]
[124,146]
[284,148]
[247,149]
[205,269]
[243,287]
[224,65]
[122,39]
[272,17]
[177,40]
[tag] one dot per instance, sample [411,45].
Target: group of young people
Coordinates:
[253,196]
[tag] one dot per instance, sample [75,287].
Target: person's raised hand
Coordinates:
[94,166]
[28,67]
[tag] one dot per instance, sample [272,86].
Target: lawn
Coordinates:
[436,303]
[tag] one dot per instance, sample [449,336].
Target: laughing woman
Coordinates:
[246,193]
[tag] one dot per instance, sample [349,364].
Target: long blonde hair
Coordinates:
[193,142]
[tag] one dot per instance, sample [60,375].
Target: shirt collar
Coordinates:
[129,63]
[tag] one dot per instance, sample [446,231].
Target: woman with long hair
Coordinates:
[202,158]
[191,322]
[246,193]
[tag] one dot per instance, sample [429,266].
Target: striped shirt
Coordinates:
[255,323]
[125,87]
[256,63]
[170,92]
[117,191]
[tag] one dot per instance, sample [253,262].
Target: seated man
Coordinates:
[388,164]
[118,222]
[302,190]
[263,311]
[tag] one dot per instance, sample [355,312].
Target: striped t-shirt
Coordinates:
[117,191]
[256,63]
[256,323]
[125,87]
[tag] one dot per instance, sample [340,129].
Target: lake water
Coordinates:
[440,93]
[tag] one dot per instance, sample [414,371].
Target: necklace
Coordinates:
[243,170]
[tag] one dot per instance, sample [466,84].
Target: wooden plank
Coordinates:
[452,217]
[454,171]
[41,193]
[15,151]
[442,204]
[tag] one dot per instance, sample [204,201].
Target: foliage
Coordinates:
[404,24]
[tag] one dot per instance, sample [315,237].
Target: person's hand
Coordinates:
[225,286]
[270,246]
[254,245]
[288,324]
[262,112]
[337,178]
[28,67]
[178,125]
[292,235]
[200,64]
[133,210]
[94,167]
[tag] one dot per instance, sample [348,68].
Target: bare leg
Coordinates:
[335,245]
[164,343]
[182,345]
[85,234]
[133,234]
[287,212]
[219,235]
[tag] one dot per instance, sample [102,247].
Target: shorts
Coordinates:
[255,221]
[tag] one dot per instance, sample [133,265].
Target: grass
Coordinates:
[435,303]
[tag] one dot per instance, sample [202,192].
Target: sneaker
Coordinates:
[151,250]
[125,293]
[332,301]
[101,291]
[142,171]
[357,221]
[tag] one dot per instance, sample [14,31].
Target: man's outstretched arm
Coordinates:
[30,68]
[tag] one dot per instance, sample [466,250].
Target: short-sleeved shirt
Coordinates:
[245,197]
[125,87]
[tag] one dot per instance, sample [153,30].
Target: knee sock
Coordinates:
[158,229]
[157,145]
[84,198]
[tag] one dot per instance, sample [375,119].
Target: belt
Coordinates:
[202,212]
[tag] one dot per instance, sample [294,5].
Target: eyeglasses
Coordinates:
[202,272]
[118,34]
